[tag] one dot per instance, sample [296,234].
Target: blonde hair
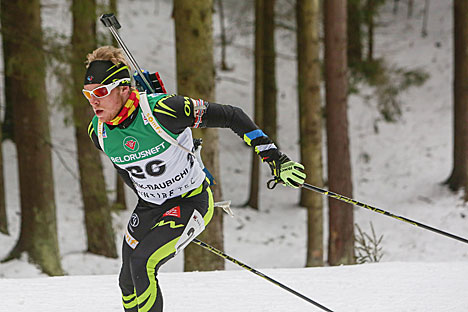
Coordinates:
[106,53]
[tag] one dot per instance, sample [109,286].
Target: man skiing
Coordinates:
[148,139]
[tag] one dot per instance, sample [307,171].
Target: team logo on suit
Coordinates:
[131,144]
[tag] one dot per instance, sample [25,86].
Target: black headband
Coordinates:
[106,72]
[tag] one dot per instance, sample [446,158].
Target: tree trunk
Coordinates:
[223,35]
[113,9]
[3,213]
[98,218]
[395,6]
[370,8]
[120,202]
[195,78]
[258,100]
[425,18]
[8,119]
[25,65]
[457,178]
[308,65]
[410,8]
[341,229]
[269,71]
[354,32]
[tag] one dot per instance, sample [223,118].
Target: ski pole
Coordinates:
[110,21]
[248,268]
[375,209]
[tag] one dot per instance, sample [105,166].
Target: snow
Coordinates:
[399,168]
[395,286]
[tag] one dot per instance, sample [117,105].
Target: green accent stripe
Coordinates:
[164,112]
[194,192]
[112,67]
[90,129]
[120,69]
[129,297]
[151,292]
[209,214]
[172,224]
[161,103]
[133,301]
[130,305]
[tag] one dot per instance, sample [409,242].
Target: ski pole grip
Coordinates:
[110,20]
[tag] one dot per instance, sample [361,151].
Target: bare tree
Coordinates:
[425,18]
[410,8]
[269,71]
[308,66]
[224,65]
[355,20]
[258,99]
[120,198]
[3,213]
[370,14]
[26,69]
[458,176]
[341,221]
[98,219]
[195,78]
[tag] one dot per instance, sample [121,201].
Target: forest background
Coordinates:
[400,110]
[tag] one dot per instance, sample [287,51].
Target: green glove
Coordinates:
[288,171]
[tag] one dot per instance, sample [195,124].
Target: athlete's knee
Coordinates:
[138,267]
[126,283]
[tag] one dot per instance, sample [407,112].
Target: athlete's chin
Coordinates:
[101,115]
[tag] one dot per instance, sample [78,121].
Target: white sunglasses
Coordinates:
[105,90]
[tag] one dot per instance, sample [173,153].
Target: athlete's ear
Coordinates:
[124,90]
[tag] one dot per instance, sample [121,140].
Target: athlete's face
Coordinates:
[106,108]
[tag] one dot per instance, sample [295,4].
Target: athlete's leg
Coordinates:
[169,234]
[125,281]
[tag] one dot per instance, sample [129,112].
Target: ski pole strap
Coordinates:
[271,184]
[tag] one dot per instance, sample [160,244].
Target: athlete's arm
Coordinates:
[176,113]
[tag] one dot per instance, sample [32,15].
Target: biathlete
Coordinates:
[148,139]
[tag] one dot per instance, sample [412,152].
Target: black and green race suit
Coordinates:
[174,197]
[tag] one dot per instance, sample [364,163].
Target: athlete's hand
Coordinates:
[289,172]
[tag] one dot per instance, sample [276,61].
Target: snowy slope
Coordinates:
[383,287]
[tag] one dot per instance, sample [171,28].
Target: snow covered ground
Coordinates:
[399,168]
[396,286]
